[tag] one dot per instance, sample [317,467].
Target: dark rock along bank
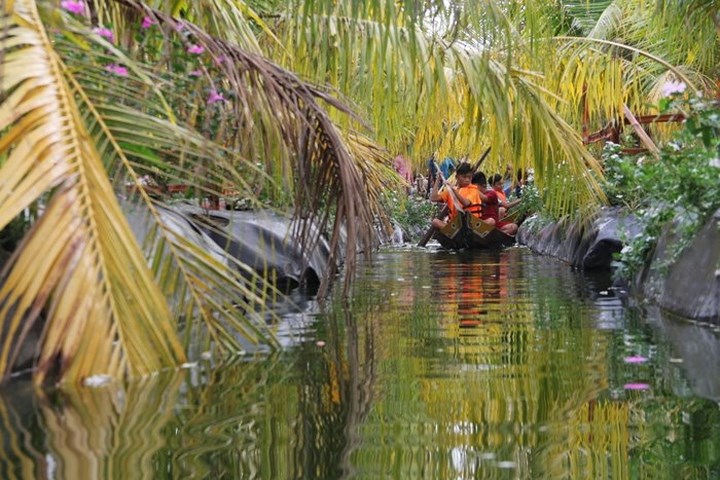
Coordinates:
[689,287]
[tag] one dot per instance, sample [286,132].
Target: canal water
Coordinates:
[442,366]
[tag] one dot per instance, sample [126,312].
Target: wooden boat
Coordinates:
[468,231]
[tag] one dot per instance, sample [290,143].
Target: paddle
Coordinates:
[431,231]
[453,196]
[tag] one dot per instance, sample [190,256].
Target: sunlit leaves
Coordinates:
[90,281]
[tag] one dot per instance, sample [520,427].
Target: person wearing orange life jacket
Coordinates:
[466,194]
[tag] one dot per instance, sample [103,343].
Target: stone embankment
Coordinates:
[688,286]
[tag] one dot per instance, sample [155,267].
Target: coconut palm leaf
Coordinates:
[128,128]
[288,113]
[434,89]
[92,282]
[232,20]
[130,125]
[627,64]
[590,17]
[699,14]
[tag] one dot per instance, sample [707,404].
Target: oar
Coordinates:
[453,196]
[431,231]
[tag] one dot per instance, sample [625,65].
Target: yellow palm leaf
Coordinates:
[103,312]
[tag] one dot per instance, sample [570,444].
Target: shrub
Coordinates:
[681,186]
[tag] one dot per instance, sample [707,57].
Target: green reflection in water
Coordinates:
[470,365]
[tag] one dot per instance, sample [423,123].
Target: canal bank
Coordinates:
[687,284]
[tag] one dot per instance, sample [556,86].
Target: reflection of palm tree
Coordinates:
[359,388]
[94,433]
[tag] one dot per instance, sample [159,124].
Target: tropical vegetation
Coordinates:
[680,188]
[297,106]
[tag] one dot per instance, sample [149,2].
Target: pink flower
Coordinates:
[148,22]
[215,97]
[195,73]
[635,359]
[636,386]
[72,6]
[219,60]
[104,32]
[196,49]
[117,70]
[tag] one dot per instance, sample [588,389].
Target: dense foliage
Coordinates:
[680,188]
[298,105]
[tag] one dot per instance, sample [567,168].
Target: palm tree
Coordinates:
[219,93]
[82,117]
[522,77]
[445,77]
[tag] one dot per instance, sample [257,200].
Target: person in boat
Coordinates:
[447,167]
[465,194]
[404,171]
[507,180]
[519,183]
[421,185]
[432,174]
[490,206]
[503,204]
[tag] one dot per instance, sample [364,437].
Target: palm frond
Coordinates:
[93,281]
[592,17]
[130,128]
[216,292]
[608,22]
[435,90]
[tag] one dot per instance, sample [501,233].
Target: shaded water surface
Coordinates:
[443,365]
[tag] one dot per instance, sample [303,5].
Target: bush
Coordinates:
[681,186]
[412,213]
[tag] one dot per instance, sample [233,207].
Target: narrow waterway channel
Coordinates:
[441,366]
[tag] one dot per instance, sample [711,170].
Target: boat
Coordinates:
[468,231]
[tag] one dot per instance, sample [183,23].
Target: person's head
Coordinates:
[480,180]
[463,174]
[520,175]
[497,182]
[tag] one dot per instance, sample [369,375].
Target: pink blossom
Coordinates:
[117,69]
[636,386]
[215,97]
[196,49]
[148,22]
[195,73]
[635,359]
[219,60]
[104,32]
[73,6]
[670,88]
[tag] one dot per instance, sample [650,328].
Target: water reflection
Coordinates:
[90,433]
[443,365]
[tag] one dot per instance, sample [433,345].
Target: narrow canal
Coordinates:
[442,366]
